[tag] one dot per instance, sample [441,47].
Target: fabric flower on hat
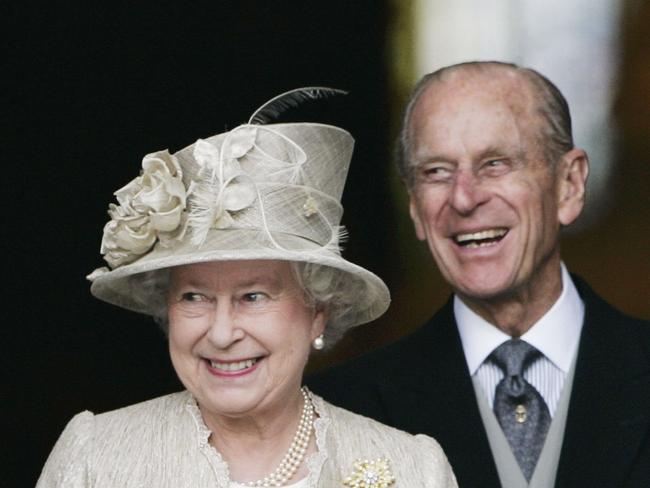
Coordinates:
[240,140]
[150,209]
[224,188]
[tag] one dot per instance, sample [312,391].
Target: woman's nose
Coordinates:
[224,327]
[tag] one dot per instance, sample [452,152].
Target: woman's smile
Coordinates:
[231,369]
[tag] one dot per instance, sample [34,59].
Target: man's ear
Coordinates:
[415,216]
[572,175]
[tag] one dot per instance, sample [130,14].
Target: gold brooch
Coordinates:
[370,474]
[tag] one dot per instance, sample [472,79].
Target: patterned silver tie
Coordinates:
[518,406]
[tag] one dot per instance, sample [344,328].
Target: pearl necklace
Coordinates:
[296,453]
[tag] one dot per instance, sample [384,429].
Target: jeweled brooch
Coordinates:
[370,474]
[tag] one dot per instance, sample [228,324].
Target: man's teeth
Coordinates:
[481,238]
[238,366]
[472,245]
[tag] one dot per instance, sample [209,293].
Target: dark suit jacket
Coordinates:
[421,384]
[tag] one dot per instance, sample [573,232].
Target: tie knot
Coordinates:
[514,356]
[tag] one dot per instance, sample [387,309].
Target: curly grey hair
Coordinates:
[555,136]
[324,288]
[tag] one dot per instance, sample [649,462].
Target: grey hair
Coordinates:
[324,289]
[555,137]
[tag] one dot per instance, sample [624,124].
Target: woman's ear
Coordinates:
[319,322]
[572,172]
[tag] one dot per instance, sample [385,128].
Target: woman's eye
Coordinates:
[254,297]
[191,296]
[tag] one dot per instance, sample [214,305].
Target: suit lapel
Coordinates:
[609,412]
[431,392]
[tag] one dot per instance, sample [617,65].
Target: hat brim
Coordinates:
[121,286]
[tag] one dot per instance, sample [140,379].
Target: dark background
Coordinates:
[90,89]
[93,87]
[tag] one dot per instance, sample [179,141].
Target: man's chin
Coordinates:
[486,289]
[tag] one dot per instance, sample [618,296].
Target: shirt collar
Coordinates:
[555,335]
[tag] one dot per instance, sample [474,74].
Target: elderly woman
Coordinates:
[232,245]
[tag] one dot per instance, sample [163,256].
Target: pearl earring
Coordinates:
[319,343]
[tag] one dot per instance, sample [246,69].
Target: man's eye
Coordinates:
[496,167]
[497,164]
[435,172]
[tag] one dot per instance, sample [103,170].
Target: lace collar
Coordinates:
[315,461]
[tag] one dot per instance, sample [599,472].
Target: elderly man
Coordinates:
[526,377]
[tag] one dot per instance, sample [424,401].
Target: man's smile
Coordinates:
[482,238]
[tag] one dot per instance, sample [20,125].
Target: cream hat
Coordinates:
[259,191]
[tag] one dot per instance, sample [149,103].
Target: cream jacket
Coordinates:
[164,443]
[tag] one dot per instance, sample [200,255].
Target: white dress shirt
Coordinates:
[555,335]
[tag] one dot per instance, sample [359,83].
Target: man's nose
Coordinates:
[467,193]
[224,327]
